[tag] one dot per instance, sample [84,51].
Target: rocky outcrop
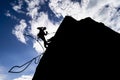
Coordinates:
[82,49]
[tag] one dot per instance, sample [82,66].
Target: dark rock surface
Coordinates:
[82,49]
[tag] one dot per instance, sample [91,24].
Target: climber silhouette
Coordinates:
[42,34]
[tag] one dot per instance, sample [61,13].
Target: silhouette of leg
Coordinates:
[45,42]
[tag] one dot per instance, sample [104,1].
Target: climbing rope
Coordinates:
[26,65]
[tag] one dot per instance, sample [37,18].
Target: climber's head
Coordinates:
[43,28]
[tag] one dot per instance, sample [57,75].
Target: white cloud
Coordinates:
[25,77]
[65,7]
[100,10]
[108,14]
[19,31]
[32,3]
[33,7]
[33,12]
[95,9]
[18,7]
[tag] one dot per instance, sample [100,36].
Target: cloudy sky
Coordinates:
[19,17]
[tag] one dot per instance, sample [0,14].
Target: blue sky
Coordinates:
[12,51]
[20,16]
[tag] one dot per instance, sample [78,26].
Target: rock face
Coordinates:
[82,49]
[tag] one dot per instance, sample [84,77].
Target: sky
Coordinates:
[19,17]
